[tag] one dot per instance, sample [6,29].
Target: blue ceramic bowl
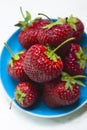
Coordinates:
[41,110]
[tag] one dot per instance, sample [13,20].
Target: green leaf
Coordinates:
[28,16]
[73,26]
[81,58]
[19,95]
[18,24]
[72,19]
[22,23]
[78,76]
[71,80]
[52,56]
[72,22]
[67,85]
[79,83]
[71,87]
[27,19]
[58,22]
[78,55]
[64,74]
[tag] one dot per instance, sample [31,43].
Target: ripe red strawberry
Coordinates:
[29,30]
[15,67]
[75,61]
[77,25]
[41,64]
[39,67]
[62,93]
[54,33]
[26,94]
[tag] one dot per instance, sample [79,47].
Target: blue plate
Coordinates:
[41,109]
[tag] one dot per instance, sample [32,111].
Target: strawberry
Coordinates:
[29,29]
[77,25]
[54,33]
[15,66]
[42,64]
[62,92]
[58,31]
[26,94]
[75,61]
[39,67]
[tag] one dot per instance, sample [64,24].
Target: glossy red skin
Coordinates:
[55,35]
[55,95]
[78,33]
[28,37]
[31,94]
[16,71]
[71,65]
[39,67]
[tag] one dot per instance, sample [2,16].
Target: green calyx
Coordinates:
[14,56]
[81,57]
[70,20]
[51,53]
[19,95]
[70,80]
[27,20]
[60,21]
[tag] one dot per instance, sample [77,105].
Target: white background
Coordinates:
[9,15]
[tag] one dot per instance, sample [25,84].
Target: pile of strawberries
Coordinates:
[51,62]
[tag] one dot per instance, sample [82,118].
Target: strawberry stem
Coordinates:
[13,56]
[8,48]
[22,12]
[66,41]
[51,53]
[46,17]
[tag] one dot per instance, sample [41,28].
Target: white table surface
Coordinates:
[9,15]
